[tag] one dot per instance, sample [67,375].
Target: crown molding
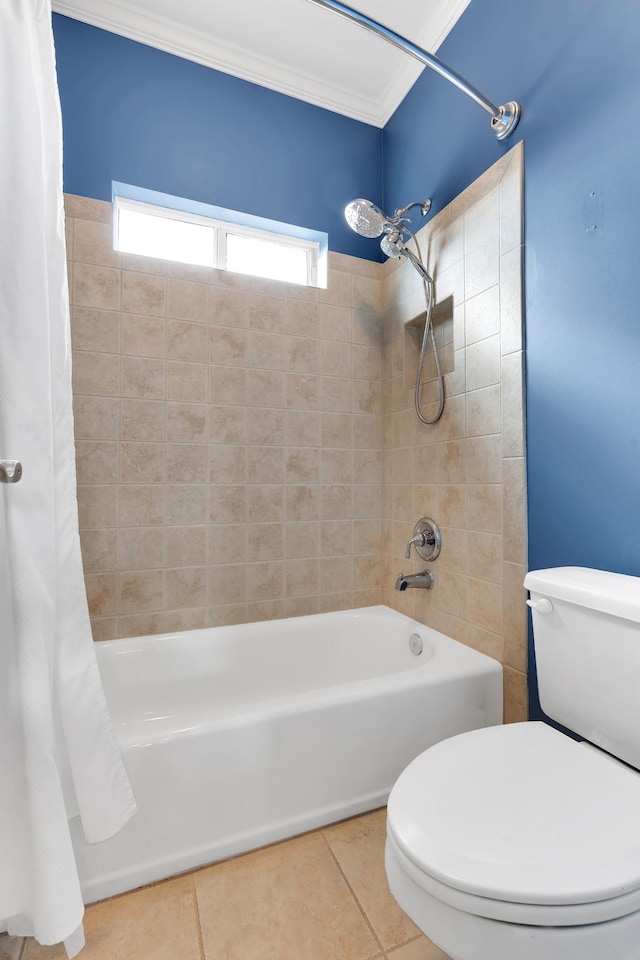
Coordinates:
[172,37]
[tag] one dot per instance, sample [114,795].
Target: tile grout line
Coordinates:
[389,954]
[197,912]
[353,894]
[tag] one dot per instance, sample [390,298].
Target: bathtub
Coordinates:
[236,737]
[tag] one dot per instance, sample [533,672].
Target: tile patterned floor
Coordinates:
[322,896]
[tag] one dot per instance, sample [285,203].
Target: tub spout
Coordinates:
[423,580]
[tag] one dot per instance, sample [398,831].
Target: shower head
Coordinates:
[365,218]
[391,244]
[369,221]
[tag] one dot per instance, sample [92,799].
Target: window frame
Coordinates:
[221,229]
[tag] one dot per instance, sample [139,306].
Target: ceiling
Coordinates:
[291,46]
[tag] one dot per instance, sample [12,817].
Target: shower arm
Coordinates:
[425,207]
[504,119]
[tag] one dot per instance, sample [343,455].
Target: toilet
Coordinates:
[519,842]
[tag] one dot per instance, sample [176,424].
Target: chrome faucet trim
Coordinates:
[427,540]
[423,580]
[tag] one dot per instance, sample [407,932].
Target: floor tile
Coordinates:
[421,949]
[10,947]
[155,923]
[286,902]
[358,846]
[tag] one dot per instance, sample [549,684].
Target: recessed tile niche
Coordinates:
[442,319]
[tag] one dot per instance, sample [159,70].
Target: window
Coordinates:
[292,254]
[156,232]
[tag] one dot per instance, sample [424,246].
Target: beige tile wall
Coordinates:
[229,437]
[468,470]
[230,433]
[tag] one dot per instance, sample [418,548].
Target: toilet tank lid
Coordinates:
[613,593]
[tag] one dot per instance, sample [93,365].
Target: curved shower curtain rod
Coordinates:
[504,119]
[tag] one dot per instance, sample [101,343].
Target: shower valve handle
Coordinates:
[426,539]
[420,540]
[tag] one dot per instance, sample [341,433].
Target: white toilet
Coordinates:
[518,842]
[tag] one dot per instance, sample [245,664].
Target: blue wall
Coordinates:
[137,115]
[575,67]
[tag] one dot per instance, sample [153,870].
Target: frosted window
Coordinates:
[169,233]
[267,258]
[166,238]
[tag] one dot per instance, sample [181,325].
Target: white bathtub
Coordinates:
[235,737]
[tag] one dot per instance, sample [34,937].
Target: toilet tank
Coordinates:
[586,630]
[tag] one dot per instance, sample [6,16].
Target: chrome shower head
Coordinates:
[391,244]
[369,221]
[365,218]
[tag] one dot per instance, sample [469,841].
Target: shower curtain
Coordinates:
[58,753]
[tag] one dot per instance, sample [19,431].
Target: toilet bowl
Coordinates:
[519,842]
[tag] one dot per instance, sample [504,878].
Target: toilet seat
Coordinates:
[520,823]
[529,914]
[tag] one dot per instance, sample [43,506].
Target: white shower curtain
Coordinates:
[58,753]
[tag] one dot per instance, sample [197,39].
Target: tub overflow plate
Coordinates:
[415,644]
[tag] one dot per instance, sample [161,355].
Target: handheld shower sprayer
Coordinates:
[368,220]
